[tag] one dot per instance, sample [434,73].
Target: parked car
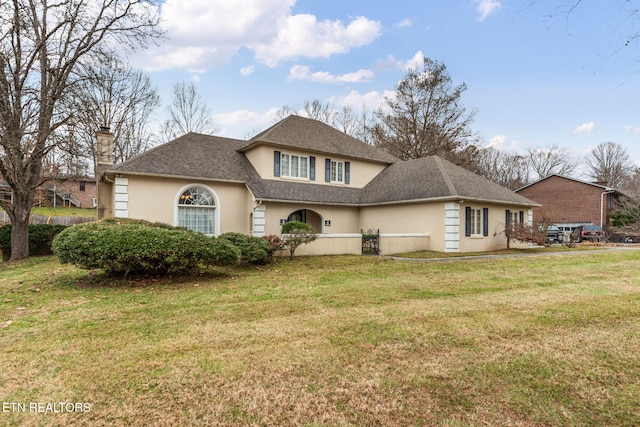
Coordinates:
[591,232]
[553,234]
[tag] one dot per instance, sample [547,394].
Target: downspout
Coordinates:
[602,206]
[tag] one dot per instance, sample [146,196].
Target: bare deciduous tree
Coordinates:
[624,21]
[188,112]
[344,119]
[609,162]
[42,45]
[356,125]
[507,169]
[550,160]
[425,116]
[116,96]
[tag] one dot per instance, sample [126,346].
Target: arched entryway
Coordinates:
[310,217]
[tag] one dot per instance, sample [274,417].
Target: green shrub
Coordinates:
[253,250]
[40,238]
[627,214]
[297,233]
[137,248]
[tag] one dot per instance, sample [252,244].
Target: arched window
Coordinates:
[196,210]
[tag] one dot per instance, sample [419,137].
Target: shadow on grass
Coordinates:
[99,279]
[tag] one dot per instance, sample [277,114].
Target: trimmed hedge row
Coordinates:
[138,247]
[40,239]
[253,250]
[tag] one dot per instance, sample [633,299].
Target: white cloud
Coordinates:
[205,33]
[404,23]
[632,129]
[497,142]
[486,8]
[301,72]
[303,36]
[237,123]
[505,143]
[585,128]
[415,63]
[248,70]
[391,63]
[371,101]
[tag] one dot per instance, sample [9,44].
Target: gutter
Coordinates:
[602,205]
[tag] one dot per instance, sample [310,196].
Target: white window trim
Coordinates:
[476,214]
[286,172]
[216,209]
[515,217]
[339,176]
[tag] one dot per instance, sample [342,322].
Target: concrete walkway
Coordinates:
[539,254]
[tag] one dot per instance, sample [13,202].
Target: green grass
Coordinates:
[329,341]
[80,212]
[514,251]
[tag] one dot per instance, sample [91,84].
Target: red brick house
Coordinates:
[68,191]
[569,202]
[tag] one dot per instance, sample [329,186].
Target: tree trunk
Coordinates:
[19,240]
[20,226]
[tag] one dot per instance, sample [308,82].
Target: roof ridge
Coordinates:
[445,175]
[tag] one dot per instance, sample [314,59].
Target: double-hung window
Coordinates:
[294,166]
[476,222]
[337,171]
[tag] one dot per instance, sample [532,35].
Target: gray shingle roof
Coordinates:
[210,157]
[434,178]
[194,155]
[413,180]
[265,189]
[312,135]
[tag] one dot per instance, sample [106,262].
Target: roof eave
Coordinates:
[117,172]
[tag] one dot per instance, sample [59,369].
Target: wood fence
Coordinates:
[55,220]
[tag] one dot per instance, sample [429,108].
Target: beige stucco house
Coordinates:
[302,169]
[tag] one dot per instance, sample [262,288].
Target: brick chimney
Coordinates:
[104,161]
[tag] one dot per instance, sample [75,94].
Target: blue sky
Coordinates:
[537,75]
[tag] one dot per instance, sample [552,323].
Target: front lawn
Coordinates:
[63,211]
[329,341]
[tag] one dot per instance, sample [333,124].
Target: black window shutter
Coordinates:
[327,170]
[485,221]
[521,217]
[347,172]
[276,163]
[507,217]
[312,168]
[467,221]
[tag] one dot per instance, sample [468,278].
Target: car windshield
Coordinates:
[591,227]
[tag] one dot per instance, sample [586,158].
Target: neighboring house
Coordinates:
[301,169]
[569,202]
[62,190]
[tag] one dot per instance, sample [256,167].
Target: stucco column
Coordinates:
[452,227]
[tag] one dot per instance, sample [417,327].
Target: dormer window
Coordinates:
[294,166]
[337,171]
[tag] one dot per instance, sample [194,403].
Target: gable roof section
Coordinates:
[199,156]
[311,135]
[194,155]
[435,178]
[429,178]
[284,191]
[593,184]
